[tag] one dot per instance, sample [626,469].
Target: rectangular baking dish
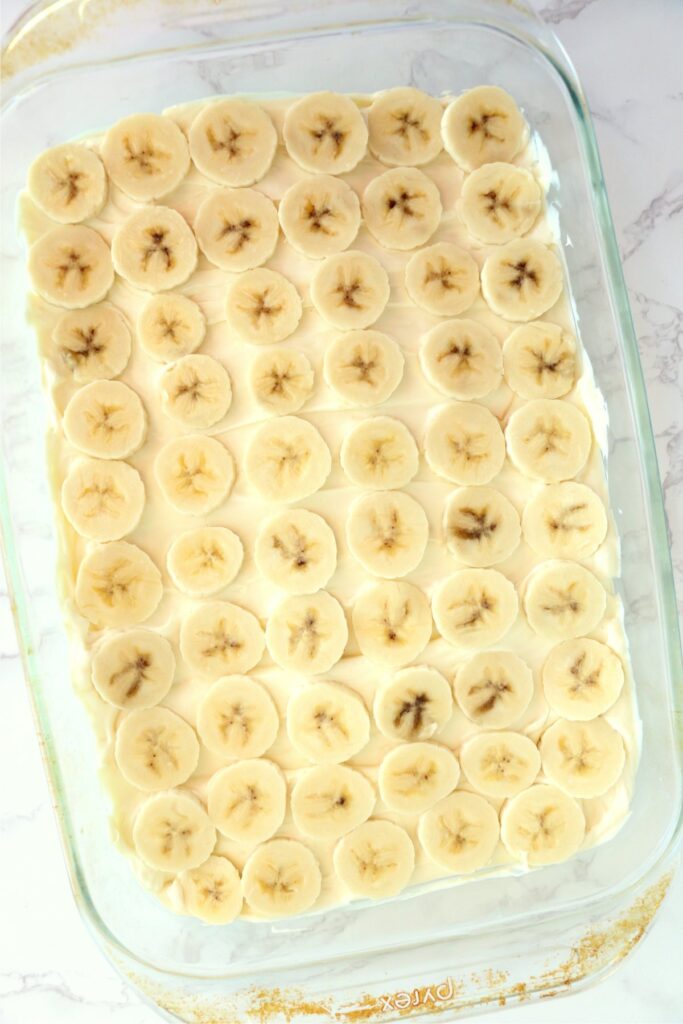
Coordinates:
[74,68]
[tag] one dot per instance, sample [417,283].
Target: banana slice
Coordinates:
[195,473]
[263,307]
[442,279]
[325,132]
[402,208]
[583,759]
[154,249]
[380,453]
[413,776]
[464,443]
[105,418]
[392,623]
[71,266]
[220,638]
[475,607]
[92,343]
[296,550]
[482,126]
[233,142]
[307,633]
[330,800]
[117,585]
[102,500]
[494,689]
[405,127]
[247,801]
[462,359]
[237,228]
[320,216]
[481,526]
[155,749]
[363,367]
[281,878]
[521,280]
[542,825]
[196,391]
[68,183]
[376,859]
[213,891]
[350,290]
[563,600]
[281,381]
[134,669]
[500,764]
[387,533]
[460,833]
[146,155]
[286,459]
[203,561]
[237,718]
[582,679]
[548,440]
[539,360]
[170,326]
[564,521]
[327,722]
[499,202]
[172,832]
[414,705]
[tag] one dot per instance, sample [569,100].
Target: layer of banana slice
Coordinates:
[154,249]
[363,367]
[327,722]
[92,343]
[204,560]
[392,623]
[405,127]
[325,132]
[582,679]
[442,279]
[540,361]
[379,453]
[462,359]
[320,216]
[71,266]
[481,526]
[68,183]
[237,718]
[195,473]
[375,860]
[542,825]
[522,280]
[281,380]
[281,878]
[286,459]
[170,326]
[584,759]
[213,891]
[134,669]
[296,550]
[247,800]
[196,391]
[146,155]
[237,228]
[413,776]
[220,638]
[117,585]
[102,500]
[500,764]
[499,202]
[387,533]
[155,749]
[172,832]
[548,439]
[563,600]
[494,688]
[262,307]
[460,833]
[105,419]
[414,704]
[482,126]
[233,142]
[402,208]
[307,633]
[350,290]
[330,800]
[475,607]
[464,443]
[566,520]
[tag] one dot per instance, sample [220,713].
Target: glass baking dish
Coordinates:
[75,67]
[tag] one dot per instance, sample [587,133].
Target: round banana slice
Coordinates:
[350,290]
[363,367]
[402,208]
[154,249]
[380,453]
[475,607]
[117,585]
[170,326]
[413,776]
[442,279]
[376,859]
[213,891]
[462,359]
[482,126]
[307,633]
[464,443]
[262,307]
[500,764]
[539,360]
[172,832]
[542,825]
[405,127]
[281,380]
[68,183]
[237,718]
[392,623]
[548,439]
[296,550]
[281,878]
[134,669]
[460,833]
[327,722]
[481,526]
[522,280]
[320,216]
[195,474]
[286,459]
[499,202]
[563,600]
[387,533]
[146,155]
[233,142]
[247,801]
[102,500]
[582,679]
[71,266]
[565,520]
[106,419]
[196,391]
[203,561]
[325,132]
[237,228]
[494,689]
[92,343]
[155,749]
[220,638]
[330,800]
[583,759]
[414,705]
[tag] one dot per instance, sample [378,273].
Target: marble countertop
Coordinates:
[627,56]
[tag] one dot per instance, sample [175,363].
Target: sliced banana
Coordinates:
[402,208]
[155,749]
[195,473]
[379,453]
[548,439]
[263,307]
[237,228]
[71,266]
[286,459]
[442,279]
[134,669]
[462,359]
[584,759]
[376,859]
[387,533]
[220,638]
[327,722]
[307,633]
[363,367]
[539,360]
[481,526]
[68,183]
[105,419]
[330,800]
[521,280]
[565,520]
[350,290]
[500,764]
[213,891]
[281,380]
[325,132]
[237,718]
[460,833]
[117,585]
[205,560]
[405,127]
[92,343]
[464,443]
[102,500]
[563,600]
[170,326]
[154,249]
[320,216]
[146,155]
[392,623]
[196,391]
[494,689]
[296,550]
[233,142]
[475,607]
[413,776]
[172,832]
[499,202]
[582,679]
[281,878]
[415,704]
[482,126]
[247,801]
[542,825]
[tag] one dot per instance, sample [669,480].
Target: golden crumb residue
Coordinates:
[269,1004]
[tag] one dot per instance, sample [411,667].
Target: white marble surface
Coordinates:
[627,53]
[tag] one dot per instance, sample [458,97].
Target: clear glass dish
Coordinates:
[74,68]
